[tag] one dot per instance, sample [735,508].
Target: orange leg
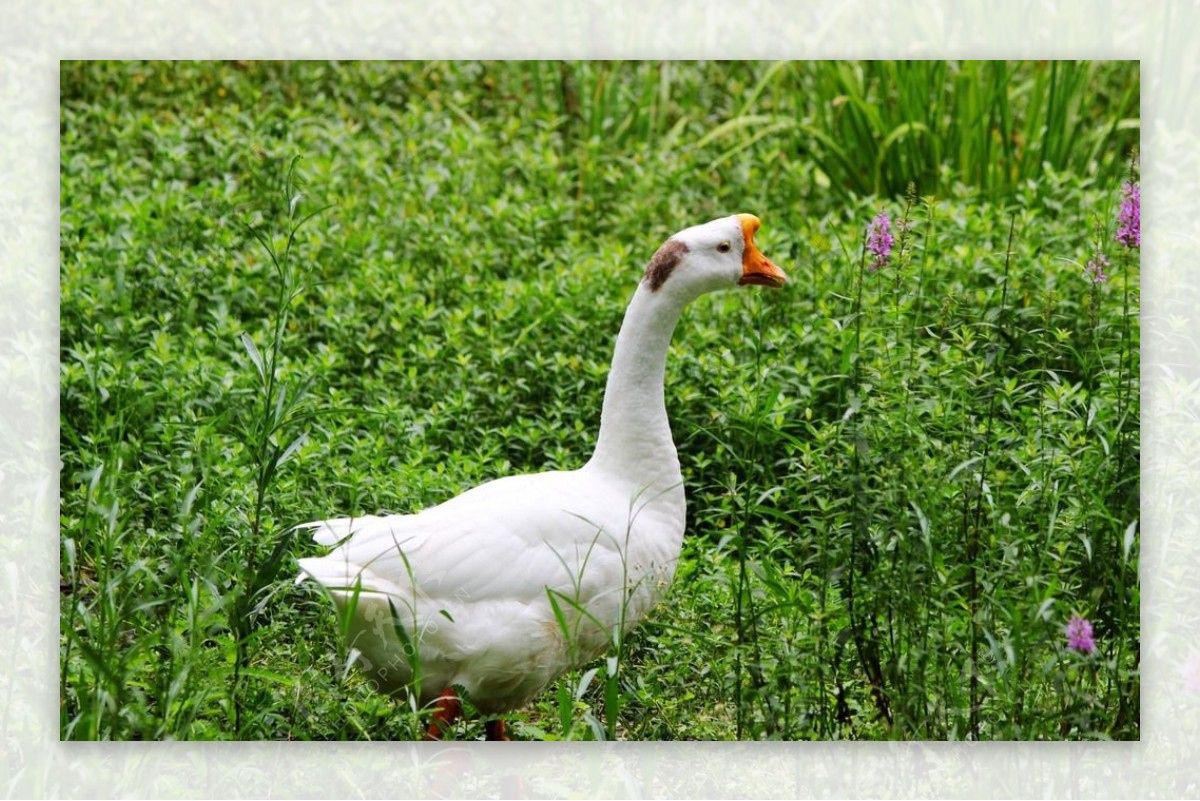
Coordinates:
[496,730]
[449,708]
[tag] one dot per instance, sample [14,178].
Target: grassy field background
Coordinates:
[292,291]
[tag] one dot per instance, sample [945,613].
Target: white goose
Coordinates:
[505,587]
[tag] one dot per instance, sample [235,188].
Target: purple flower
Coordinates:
[880,240]
[1079,634]
[1095,268]
[1129,218]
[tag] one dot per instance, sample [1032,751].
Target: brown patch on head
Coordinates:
[664,261]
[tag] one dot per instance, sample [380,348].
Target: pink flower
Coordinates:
[1129,218]
[880,240]
[1095,268]
[1079,635]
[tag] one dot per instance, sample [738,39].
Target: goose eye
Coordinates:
[724,247]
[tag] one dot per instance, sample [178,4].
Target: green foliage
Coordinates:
[870,128]
[901,483]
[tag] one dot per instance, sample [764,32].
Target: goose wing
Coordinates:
[510,539]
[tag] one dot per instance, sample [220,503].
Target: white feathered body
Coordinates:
[471,581]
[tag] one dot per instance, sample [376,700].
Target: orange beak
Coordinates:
[757,268]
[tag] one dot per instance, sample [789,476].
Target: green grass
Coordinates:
[901,483]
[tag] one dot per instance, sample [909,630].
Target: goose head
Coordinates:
[708,257]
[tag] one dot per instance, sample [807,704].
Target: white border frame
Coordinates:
[33,763]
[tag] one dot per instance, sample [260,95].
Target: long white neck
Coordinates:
[635,437]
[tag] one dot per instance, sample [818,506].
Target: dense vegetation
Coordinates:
[295,291]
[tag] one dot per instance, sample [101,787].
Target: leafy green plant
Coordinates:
[270,436]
